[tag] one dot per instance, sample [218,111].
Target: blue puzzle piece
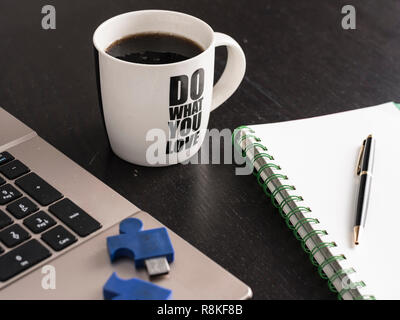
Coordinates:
[140,245]
[133,289]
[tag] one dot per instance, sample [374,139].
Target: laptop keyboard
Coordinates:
[59,226]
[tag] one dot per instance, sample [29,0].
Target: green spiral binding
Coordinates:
[244,137]
[247,136]
[286,201]
[279,190]
[269,179]
[265,166]
[299,209]
[336,276]
[309,235]
[300,224]
[353,285]
[253,145]
[327,262]
[293,212]
[318,248]
[262,168]
[365,297]
[237,130]
[262,155]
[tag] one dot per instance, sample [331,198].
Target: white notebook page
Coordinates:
[319,155]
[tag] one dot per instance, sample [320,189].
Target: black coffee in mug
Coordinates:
[154,48]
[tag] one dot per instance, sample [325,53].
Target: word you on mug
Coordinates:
[185,108]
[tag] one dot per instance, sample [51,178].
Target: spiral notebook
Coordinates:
[307,168]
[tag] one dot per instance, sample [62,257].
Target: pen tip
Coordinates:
[356,235]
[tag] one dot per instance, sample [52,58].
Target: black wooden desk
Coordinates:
[301,63]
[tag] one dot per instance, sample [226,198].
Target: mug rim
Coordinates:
[104,53]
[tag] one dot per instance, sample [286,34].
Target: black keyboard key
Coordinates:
[8,193]
[5,157]
[22,258]
[38,189]
[14,169]
[58,238]
[74,217]
[14,235]
[5,220]
[2,181]
[39,222]
[22,208]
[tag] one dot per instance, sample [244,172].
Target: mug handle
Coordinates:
[233,73]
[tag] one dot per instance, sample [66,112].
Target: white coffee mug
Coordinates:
[163,105]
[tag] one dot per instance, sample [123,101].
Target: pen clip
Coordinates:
[360,156]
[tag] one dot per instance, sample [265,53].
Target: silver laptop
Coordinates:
[56,216]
